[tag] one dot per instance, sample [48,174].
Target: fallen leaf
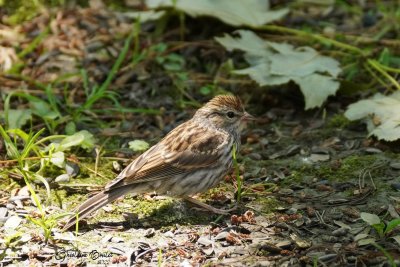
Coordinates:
[385,109]
[233,12]
[274,64]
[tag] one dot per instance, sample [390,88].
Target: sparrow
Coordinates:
[190,159]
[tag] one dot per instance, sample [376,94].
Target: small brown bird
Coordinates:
[192,158]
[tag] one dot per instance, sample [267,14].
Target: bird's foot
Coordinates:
[208,207]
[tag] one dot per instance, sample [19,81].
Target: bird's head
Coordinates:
[225,112]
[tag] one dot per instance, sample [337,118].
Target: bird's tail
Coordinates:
[94,203]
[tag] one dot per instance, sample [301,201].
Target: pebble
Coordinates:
[255,156]
[13,222]
[117,239]
[327,257]
[340,232]
[3,212]
[116,166]
[284,244]
[373,150]
[169,234]
[291,211]
[72,169]
[63,178]
[150,232]
[395,186]
[221,235]
[205,241]
[319,157]
[395,165]
[10,206]
[106,239]
[301,243]
[286,191]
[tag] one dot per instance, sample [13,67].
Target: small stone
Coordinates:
[293,150]
[286,191]
[301,243]
[395,186]
[116,166]
[327,257]
[3,212]
[340,232]
[373,150]
[106,239]
[291,211]
[117,239]
[255,156]
[395,165]
[205,241]
[169,234]
[319,157]
[63,178]
[13,222]
[221,235]
[72,169]
[284,244]
[150,232]
[10,206]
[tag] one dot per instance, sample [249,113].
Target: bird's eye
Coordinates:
[230,114]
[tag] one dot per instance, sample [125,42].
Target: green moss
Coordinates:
[338,121]
[265,205]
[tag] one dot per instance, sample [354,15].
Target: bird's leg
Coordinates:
[208,207]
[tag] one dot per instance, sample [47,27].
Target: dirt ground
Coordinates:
[308,175]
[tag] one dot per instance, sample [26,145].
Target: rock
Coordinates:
[291,211]
[395,186]
[63,178]
[301,243]
[72,169]
[255,156]
[267,246]
[340,232]
[106,239]
[10,206]
[12,222]
[372,150]
[327,257]
[150,232]
[319,157]
[205,241]
[222,235]
[285,244]
[116,166]
[169,234]
[286,191]
[117,239]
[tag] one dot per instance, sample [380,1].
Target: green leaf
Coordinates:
[233,12]
[58,159]
[274,64]
[391,225]
[88,140]
[370,218]
[18,117]
[206,90]
[366,241]
[70,141]
[381,113]
[138,145]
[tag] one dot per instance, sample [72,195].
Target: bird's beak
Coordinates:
[247,117]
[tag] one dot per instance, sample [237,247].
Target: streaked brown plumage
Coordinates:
[190,159]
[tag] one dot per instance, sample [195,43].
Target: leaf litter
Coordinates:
[295,211]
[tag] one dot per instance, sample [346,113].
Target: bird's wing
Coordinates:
[177,153]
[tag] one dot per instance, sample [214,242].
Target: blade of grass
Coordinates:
[237,174]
